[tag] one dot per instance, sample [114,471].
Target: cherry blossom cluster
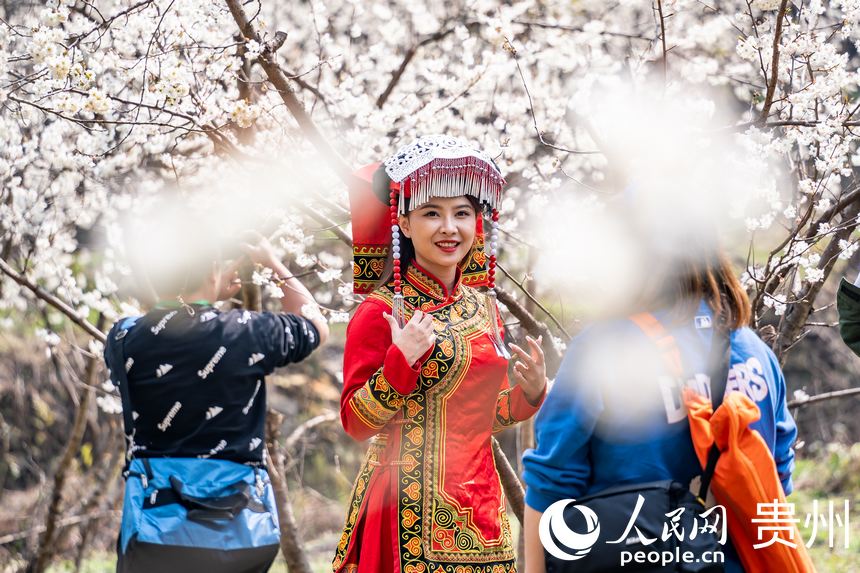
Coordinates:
[105,105]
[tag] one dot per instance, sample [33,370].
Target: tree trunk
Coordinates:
[510,482]
[798,312]
[291,542]
[47,545]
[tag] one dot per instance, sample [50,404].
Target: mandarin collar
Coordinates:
[427,283]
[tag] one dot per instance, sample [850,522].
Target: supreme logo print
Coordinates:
[250,403]
[163,322]
[213,362]
[168,419]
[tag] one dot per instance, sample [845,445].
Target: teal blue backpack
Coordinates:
[190,514]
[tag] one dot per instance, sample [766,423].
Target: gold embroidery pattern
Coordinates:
[475,269]
[376,402]
[448,535]
[434,536]
[504,417]
[359,489]
[368,262]
[435,533]
[424,285]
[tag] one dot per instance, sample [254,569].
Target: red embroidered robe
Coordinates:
[428,497]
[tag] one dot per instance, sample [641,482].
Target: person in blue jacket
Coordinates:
[614,416]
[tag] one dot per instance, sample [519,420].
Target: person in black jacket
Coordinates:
[194,376]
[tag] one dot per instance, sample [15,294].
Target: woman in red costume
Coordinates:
[425,368]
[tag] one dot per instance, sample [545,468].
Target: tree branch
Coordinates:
[801,402]
[509,47]
[307,425]
[534,300]
[797,314]
[107,23]
[774,64]
[53,301]
[395,77]
[410,53]
[549,26]
[330,225]
[532,326]
[47,544]
[276,76]
[291,543]
[663,40]
[65,522]
[510,482]
[787,123]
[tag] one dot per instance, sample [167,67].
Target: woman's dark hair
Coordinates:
[715,281]
[710,278]
[407,255]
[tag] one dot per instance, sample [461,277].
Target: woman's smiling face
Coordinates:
[442,232]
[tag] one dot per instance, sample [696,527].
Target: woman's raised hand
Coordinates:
[415,338]
[530,369]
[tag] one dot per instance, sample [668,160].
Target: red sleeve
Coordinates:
[376,377]
[512,407]
[511,404]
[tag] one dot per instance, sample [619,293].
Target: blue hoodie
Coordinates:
[607,421]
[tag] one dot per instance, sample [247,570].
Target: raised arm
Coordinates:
[295,295]
[523,400]
[513,407]
[380,367]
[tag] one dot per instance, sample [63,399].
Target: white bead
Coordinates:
[493,252]
[395,241]
[394,228]
[396,255]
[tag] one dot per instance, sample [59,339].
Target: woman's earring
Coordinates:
[492,300]
[398,308]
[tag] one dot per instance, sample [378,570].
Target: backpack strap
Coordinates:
[206,508]
[718,367]
[665,342]
[720,362]
[116,348]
